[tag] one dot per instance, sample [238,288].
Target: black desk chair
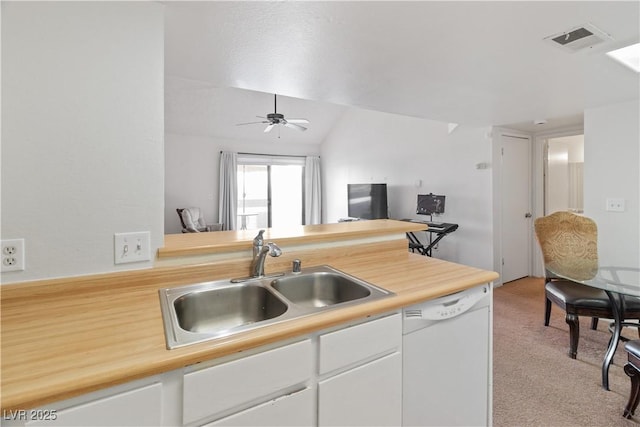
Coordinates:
[632,369]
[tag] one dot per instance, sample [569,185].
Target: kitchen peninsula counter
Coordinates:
[187,244]
[66,337]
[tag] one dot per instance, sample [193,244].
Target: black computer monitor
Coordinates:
[430,204]
[367,201]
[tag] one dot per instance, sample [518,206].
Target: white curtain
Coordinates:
[228,203]
[312,191]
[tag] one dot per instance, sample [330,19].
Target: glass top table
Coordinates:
[616,282]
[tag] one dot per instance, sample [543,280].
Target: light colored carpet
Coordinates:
[535,381]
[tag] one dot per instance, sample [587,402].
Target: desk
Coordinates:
[616,282]
[440,229]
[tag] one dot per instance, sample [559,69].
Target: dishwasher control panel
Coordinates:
[448,306]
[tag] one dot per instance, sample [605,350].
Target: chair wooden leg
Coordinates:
[574,334]
[634,395]
[594,323]
[547,312]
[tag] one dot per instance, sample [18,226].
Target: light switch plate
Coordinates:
[132,247]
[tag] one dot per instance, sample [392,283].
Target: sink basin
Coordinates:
[320,289]
[226,308]
[210,310]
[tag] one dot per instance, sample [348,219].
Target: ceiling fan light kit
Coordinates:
[277,119]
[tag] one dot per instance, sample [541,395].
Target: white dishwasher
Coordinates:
[447,360]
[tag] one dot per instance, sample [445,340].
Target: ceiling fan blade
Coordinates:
[298,121]
[251,123]
[268,128]
[295,126]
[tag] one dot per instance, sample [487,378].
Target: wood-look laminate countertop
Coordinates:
[176,245]
[65,337]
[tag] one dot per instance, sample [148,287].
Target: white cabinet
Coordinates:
[360,371]
[369,395]
[141,406]
[356,381]
[239,383]
[357,343]
[294,410]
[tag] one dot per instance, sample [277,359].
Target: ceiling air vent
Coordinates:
[579,38]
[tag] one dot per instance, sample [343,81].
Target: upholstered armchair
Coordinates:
[192,220]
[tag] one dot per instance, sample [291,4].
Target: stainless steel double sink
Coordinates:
[210,310]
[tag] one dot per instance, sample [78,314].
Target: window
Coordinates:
[270,191]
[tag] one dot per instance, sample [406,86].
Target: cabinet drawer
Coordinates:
[295,410]
[350,345]
[138,407]
[218,388]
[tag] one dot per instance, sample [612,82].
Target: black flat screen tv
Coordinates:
[429,204]
[367,201]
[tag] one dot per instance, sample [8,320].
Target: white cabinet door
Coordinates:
[138,407]
[295,410]
[369,395]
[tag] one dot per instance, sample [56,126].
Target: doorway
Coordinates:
[550,180]
[563,174]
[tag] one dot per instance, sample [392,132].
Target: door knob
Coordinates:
[527,215]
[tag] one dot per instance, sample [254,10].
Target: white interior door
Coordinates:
[516,207]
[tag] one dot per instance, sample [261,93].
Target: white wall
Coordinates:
[192,171]
[82,132]
[612,170]
[368,146]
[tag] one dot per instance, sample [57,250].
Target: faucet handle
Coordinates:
[274,250]
[297,266]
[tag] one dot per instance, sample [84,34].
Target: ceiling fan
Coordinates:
[277,119]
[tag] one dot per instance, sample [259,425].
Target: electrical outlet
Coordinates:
[615,205]
[131,247]
[12,255]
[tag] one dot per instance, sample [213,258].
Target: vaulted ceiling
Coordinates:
[473,63]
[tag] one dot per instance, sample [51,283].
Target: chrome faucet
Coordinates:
[260,251]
